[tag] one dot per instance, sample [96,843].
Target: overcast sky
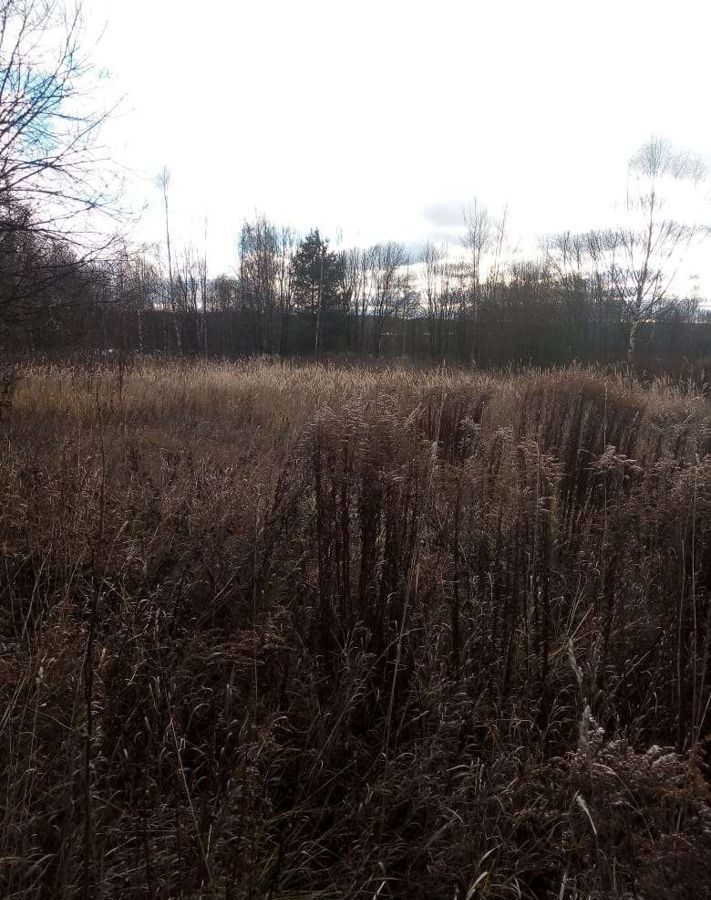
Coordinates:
[382,119]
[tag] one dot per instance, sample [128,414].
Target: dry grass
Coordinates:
[288,631]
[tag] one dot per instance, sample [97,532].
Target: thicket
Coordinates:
[273,630]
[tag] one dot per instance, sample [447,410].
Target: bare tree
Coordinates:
[408,308]
[376,282]
[190,283]
[264,281]
[389,279]
[484,239]
[635,264]
[49,160]
[478,239]
[358,264]
[204,290]
[442,297]
[135,278]
[163,182]
[287,242]
[53,179]
[353,296]
[499,245]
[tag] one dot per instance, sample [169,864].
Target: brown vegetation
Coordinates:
[272,630]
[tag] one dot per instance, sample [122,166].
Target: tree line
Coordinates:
[298,296]
[64,287]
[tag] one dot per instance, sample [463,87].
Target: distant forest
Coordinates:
[291,297]
[68,286]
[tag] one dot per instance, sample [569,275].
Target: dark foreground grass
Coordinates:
[280,632]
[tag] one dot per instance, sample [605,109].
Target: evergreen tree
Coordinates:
[317,275]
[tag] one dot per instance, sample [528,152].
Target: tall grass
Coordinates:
[273,630]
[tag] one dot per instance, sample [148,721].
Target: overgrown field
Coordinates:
[273,631]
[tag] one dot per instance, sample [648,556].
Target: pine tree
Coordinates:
[317,276]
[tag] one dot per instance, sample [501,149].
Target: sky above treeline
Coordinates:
[382,120]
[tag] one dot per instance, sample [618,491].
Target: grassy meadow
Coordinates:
[284,631]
